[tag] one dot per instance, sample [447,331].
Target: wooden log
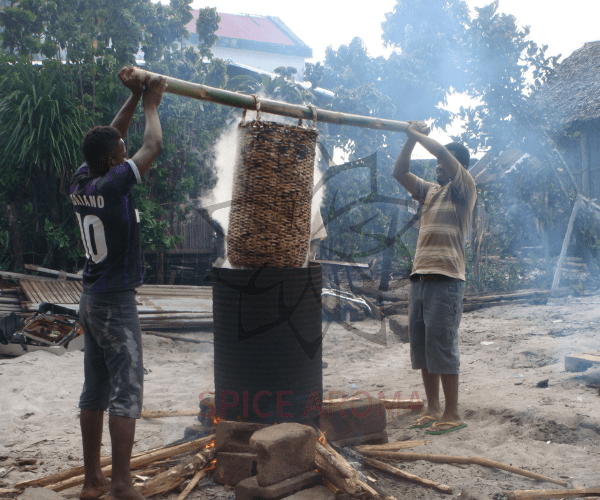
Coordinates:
[136,462]
[173,477]
[450,459]
[548,494]
[395,446]
[395,404]
[192,484]
[331,474]
[339,463]
[170,413]
[177,338]
[376,464]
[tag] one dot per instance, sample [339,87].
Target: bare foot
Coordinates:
[127,493]
[95,490]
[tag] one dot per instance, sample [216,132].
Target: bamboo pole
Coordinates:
[449,459]
[237,100]
[550,494]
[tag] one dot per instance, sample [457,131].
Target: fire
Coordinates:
[212,464]
[216,420]
[210,445]
[322,439]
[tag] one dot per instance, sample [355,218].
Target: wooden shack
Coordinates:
[189,263]
[573,99]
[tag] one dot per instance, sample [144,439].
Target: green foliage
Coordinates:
[206,26]
[39,121]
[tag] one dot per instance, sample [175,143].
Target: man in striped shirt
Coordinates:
[438,275]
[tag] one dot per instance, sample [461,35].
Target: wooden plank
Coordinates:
[30,292]
[72,292]
[47,292]
[39,288]
[52,293]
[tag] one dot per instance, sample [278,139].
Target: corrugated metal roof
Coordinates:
[247,27]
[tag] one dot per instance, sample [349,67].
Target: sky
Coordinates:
[563,26]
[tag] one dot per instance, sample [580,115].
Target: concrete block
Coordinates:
[249,488]
[231,468]
[234,437]
[284,451]
[316,493]
[399,325]
[353,418]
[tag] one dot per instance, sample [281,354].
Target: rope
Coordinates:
[314,115]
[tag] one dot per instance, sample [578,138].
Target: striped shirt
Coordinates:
[444,225]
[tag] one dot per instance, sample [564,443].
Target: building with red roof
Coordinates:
[261,42]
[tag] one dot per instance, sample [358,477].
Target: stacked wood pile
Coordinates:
[159,306]
[10,300]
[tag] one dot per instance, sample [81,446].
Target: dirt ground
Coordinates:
[505,352]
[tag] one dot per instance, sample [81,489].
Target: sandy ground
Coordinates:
[505,352]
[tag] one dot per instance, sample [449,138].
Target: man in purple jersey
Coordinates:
[110,229]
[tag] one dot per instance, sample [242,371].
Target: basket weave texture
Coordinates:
[270,215]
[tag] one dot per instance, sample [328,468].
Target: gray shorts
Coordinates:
[434,316]
[113,367]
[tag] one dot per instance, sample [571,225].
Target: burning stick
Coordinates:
[406,475]
[332,465]
[449,459]
[548,494]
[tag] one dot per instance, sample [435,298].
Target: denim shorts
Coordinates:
[434,316]
[113,366]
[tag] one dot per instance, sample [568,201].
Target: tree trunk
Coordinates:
[15,237]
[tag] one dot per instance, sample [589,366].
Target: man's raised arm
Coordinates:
[402,171]
[123,118]
[152,145]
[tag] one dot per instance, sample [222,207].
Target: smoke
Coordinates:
[226,151]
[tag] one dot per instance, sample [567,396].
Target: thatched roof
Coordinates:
[574,94]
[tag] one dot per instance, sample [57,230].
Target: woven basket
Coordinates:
[269,220]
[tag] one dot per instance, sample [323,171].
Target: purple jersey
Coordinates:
[110,228]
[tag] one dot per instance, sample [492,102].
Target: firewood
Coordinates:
[192,484]
[173,477]
[449,459]
[333,476]
[408,476]
[548,494]
[164,452]
[395,446]
[169,413]
[338,462]
[138,461]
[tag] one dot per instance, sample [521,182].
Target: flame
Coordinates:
[210,445]
[322,438]
[216,420]
[212,464]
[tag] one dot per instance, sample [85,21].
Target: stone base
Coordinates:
[248,489]
[231,468]
[374,438]
[350,419]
